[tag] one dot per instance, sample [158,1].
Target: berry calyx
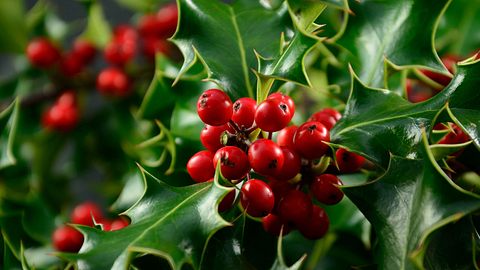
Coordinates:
[214,107]
[42,53]
[233,162]
[295,207]
[265,157]
[210,137]
[67,239]
[273,115]
[310,138]
[316,226]
[257,198]
[325,189]
[200,166]
[85,213]
[113,82]
[284,98]
[348,162]
[244,112]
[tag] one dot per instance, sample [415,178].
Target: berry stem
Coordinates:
[270,135]
[234,126]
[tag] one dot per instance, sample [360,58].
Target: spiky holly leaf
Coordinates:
[8,125]
[174,223]
[390,29]
[405,205]
[378,122]
[224,36]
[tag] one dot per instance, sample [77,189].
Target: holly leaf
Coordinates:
[280,264]
[170,222]
[377,122]
[225,38]
[14,28]
[410,201]
[8,126]
[379,30]
[98,29]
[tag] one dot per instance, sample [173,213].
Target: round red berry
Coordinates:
[316,226]
[285,136]
[113,81]
[325,188]
[84,50]
[67,239]
[167,18]
[244,112]
[265,157]
[71,65]
[310,138]
[42,53]
[152,45]
[200,166]
[273,115]
[85,213]
[257,198]
[455,136]
[63,115]
[325,118]
[227,202]
[120,52]
[148,26]
[295,207]
[348,162]
[210,136]
[119,223]
[233,162]
[284,98]
[214,107]
[273,225]
[291,165]
[125,32]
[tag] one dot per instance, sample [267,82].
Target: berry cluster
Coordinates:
[67,68]
[68,239]
[238,137]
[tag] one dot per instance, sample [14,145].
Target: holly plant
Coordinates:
[240,134]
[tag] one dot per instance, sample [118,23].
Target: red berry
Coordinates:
[125,32]
[295,207]
[273,115]
[71,65]
[210,136]
[336,114]
[152,45]
[227,202]
[418,91]
[148,26]
[348,162]
[325,189]
[456,136]
[265,157]
[119,223]
[167,18]
[67,239]
[42,53]
[316,225]
[257,198]
[85,213]
[63,115]
[113,81]
[325,118]
[310,138]
[449,62]
[233,162]
[120,52]
[84,50]
[214,107]
[285,136]
[291,165]
[288,100]
[244,112]
[200,166]
[280,189]
[273,225]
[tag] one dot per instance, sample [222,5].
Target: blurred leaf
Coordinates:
[38,221]
[174,223]
[142,5]
[8,127]
[379,30]
[98,29]
[14,35]
[41,257]
[225,38]
[132,191]
[413,199]
[280,264]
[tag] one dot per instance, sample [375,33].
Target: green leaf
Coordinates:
[280,264]
[174,223]
[405,205]
[8,126]
[142,5]
[98,29]
[14,35]
[225,38]
[402,31]
[378,122]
